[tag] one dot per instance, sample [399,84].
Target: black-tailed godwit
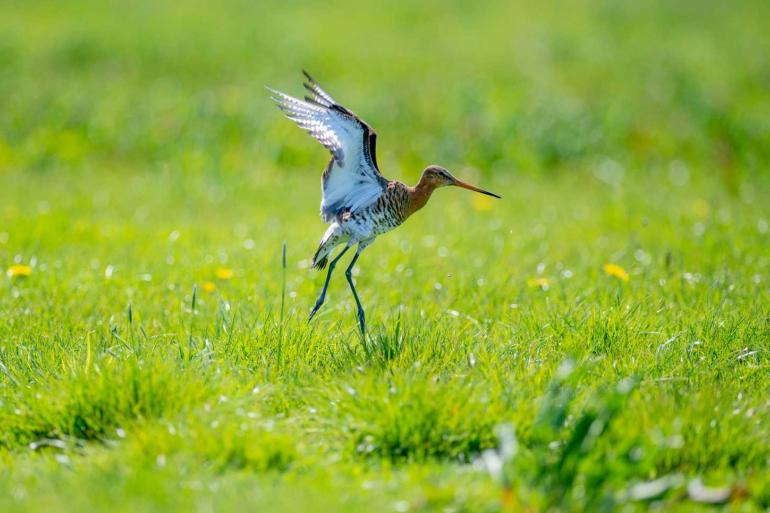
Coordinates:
[357,201]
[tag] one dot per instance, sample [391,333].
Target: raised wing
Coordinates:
[351,180]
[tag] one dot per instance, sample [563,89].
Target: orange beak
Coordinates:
[464,185]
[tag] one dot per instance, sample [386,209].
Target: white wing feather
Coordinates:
[351,180]
[326,126]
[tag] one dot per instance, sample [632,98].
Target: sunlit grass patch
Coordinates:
[92,405]
[417,417]
[220,436]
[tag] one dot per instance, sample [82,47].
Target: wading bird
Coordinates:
[357,201]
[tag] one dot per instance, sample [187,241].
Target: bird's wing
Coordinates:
[352,180]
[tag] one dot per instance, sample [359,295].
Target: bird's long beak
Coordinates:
[465,185]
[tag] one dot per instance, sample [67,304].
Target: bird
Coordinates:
[357,201]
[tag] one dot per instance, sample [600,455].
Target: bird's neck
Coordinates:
[419,196]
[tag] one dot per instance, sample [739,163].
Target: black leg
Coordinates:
[326,284]
[349,276]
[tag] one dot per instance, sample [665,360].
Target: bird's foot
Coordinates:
[314,311]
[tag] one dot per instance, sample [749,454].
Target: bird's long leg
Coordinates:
[349,276]
[326,284]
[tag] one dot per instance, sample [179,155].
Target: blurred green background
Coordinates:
[505,87]
[141,159]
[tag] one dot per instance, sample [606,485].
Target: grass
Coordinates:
[157,356]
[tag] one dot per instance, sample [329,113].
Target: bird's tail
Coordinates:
[320,259]
[329,241]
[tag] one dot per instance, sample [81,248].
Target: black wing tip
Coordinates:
[319,96]
[314,91]
[311,84]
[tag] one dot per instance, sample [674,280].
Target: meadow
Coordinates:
[597,340]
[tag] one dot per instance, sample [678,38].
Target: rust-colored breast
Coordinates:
[392,208]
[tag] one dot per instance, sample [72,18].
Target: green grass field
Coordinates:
[147,185]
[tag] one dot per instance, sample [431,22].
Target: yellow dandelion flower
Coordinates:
[209,287]
[616,271]
[482,202]
[539,283]
[19,271]
[224,273]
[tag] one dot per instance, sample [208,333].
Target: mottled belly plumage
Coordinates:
[391,209]
[388,212]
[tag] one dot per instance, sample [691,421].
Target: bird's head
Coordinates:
[436,176]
